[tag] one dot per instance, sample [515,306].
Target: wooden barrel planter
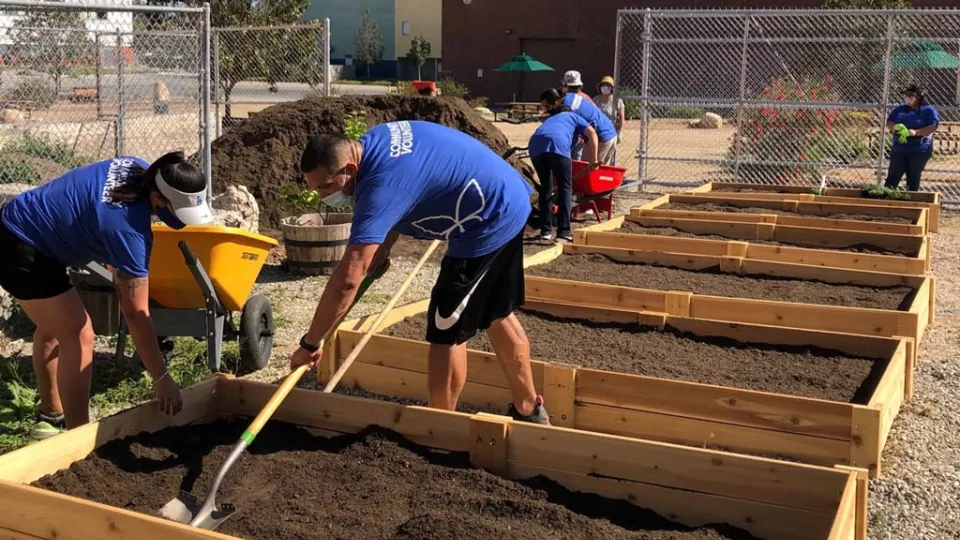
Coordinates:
[314,249]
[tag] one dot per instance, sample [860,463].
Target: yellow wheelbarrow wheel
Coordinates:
[256,333]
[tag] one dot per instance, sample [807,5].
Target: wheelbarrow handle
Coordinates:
[188,257]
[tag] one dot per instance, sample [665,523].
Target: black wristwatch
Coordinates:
[308,347]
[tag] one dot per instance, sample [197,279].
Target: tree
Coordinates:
[272,55]
[419,52]
[369,42]
[51,42]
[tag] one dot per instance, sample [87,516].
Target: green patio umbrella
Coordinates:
[923,55]
[523,63]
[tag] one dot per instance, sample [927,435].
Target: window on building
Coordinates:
[405,28]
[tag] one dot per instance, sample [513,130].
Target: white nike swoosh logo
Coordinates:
[445,323]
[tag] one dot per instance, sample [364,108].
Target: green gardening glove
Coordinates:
[902,133]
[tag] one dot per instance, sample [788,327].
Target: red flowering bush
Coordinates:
[775,138]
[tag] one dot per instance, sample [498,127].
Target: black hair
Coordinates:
[573,89]
[917,91]
[551,96]
[324,151]
[179,173]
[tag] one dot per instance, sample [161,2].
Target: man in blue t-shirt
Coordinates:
[430,181]
[910,157]
[581,104]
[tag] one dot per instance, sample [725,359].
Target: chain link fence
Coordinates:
[256,67]
[81,83]
[783,96]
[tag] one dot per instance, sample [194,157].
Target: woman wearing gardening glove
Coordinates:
[912,126]
[103,213]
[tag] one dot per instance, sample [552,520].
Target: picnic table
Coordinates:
[524,111]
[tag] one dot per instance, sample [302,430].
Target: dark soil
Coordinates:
[292,485]
[263,153]
[631,348]
[720,207]
[596,268]
[632,227]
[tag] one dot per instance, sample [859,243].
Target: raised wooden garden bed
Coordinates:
[695,487]
[851,431]
[819,215]
[918,199]
[761,242]
[591,276]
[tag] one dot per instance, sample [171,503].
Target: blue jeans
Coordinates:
[908,163]
[552,167]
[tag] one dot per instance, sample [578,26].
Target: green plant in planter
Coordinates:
[308,201]
[873,191]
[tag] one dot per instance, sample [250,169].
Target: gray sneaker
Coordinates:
[539,415]
[47,426]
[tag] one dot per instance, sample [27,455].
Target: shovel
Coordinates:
[209,515]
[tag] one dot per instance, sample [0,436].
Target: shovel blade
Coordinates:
[187,510]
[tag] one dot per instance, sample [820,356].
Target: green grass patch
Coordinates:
[31,145]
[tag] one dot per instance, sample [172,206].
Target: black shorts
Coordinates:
[472,293]
[26,273]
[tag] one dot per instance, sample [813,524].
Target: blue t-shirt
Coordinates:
[592,114]
[922,117]
[73,220]
[427,180]
[556,134]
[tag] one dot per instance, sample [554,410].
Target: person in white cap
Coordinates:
[101,212]
[583,105]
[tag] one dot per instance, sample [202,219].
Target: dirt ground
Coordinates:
[636,228]
[710,207]
[294,486]
[596,268]
[631,348]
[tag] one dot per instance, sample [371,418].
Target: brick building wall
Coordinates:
[480,35]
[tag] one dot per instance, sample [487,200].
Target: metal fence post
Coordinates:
[741,100]
[216,77]
[207,151]
[327,71]
[645,95]
[885,99]
[99,74]
[119,130]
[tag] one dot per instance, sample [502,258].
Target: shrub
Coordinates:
[774,134]
[479,101]
[18,172]
[451,88]
[32,145]
[354,124]
[31,94]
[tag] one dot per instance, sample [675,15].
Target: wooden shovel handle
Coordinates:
[379,320]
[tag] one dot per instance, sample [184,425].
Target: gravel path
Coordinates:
[918,496]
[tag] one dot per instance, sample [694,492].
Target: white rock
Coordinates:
[709,121]
[11,116]
[236,207]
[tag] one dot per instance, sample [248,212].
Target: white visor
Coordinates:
[190,208]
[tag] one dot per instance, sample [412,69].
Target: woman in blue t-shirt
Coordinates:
[911,157]
[550,150]
[101,212]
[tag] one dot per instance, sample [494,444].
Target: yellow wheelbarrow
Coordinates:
[201,276]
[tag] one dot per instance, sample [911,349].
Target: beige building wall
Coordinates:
[421,17]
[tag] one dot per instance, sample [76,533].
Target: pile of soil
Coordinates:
[597,268]
[374,484]
[720,207]
[670,354]
[635,228]
[263,153]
